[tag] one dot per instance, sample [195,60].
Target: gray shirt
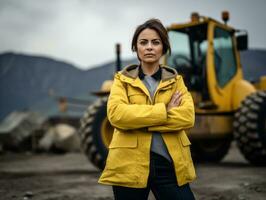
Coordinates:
[157,145]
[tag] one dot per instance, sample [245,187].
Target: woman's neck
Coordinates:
[149,69]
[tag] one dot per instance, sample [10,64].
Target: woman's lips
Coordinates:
[149,54]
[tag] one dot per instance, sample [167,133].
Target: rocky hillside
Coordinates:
[26,81]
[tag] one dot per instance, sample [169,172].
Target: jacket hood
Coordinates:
[132,71]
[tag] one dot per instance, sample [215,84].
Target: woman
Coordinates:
[150,109]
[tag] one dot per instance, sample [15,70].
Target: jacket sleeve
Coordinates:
[124,115]
[181,117]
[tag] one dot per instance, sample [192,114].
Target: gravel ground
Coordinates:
[71,176]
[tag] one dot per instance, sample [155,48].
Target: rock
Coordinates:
[241,197]
[17,129]
[246,184]
[62,136]
[258,189]
[67,138]
[47,141]
[28,194]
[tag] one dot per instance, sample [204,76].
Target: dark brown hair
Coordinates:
[156,25]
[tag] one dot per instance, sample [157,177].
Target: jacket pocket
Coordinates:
[123,155]
[136,96]
[165,94]
[185,146]
[168,87]
[123,140]
[190,173]
[184,140]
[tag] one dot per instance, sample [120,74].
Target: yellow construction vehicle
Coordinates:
[206,53]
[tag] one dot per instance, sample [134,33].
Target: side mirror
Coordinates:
[242,41]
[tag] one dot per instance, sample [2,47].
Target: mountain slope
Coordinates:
[27,80]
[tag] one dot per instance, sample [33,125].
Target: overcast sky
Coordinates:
[84,32]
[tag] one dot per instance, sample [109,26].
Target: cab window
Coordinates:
[180,49]
[224,56]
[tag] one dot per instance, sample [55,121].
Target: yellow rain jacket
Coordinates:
[134,115]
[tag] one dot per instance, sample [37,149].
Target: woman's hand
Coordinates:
[175,100]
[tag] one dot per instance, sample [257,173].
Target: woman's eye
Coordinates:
[143,42]
[156,42]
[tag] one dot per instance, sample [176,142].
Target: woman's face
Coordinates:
[149,46]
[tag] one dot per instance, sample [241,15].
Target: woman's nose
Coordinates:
[149,45]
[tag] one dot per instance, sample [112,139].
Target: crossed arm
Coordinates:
[177,115]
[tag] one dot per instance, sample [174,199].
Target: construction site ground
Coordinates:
[72,177]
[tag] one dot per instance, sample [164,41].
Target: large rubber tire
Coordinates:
[250,128]
[96,133]
[210,150]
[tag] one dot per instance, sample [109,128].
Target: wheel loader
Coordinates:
[206,53]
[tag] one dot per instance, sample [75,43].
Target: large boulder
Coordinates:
[61,137]
[18,129]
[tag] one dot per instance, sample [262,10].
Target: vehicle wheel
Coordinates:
[210,150]
[96,132]
[250,128]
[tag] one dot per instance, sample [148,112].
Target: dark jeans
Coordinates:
[162,182]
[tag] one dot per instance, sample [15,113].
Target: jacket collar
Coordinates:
[132,71]
[157,75]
